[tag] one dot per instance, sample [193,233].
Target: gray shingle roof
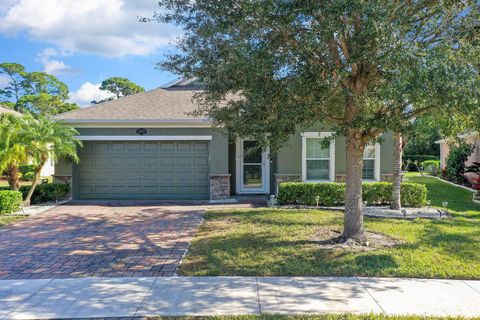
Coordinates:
[174,103]
[7,110]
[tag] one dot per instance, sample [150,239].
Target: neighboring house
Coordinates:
[48,169]
[149,146]
[471,138]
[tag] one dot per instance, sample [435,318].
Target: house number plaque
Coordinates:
[141,131]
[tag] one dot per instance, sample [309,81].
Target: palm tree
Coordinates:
[12,149]
[47,139]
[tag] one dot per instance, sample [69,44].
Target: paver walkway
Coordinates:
[98,240]
[177,296]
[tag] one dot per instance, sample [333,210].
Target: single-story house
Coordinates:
[470,138]
[48,168]
[150,146]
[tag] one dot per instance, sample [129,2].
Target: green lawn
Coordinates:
[313,317]
[6,219]
[277,242]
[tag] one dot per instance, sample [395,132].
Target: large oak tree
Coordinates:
[273,66]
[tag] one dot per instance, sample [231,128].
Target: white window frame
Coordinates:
[376,164]
[309,135]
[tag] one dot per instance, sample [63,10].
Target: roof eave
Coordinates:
[184,123]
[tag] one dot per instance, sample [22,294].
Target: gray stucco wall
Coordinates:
[289,159]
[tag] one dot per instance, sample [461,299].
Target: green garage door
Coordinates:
[143,170]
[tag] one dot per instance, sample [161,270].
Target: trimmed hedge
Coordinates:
[10,201]
[432,167]
[46,192]
[333,194]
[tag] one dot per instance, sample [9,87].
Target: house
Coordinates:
[470,138]
[48,169]
[150,146]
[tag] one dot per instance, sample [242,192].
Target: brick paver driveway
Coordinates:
[94,240]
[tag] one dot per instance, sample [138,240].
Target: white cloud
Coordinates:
[87,93]
[4,80]
[107,27]
[51,65]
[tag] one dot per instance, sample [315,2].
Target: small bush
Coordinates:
[413,162]
[46,192]
[432,167]
[10,201]
[333,194]
[26,168]
[29,176]
[455,166]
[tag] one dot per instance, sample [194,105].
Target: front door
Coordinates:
[252,168]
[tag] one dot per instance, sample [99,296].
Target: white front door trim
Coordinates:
[265,189]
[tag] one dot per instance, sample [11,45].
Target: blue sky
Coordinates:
[83,42]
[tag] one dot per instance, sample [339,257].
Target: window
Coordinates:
[371,162]
[317,159]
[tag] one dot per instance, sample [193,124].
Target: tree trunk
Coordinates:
[36,178]
[12,177]
[353,221]
[397,171]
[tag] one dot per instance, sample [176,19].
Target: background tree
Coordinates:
[421,137]
[271,67]
[35,92]
[12,149]
[47,139]
[11,94]
[120,87]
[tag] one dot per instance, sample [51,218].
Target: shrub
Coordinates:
[331,193]
[26,168]
[431,167]
[455,164]
[46,192]
[29,176]
[10,201]
[412,162]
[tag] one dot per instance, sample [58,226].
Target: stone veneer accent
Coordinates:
[279,178]
[219,186]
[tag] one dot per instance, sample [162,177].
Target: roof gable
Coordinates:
[175,103]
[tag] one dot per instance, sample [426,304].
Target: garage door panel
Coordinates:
[150,176]
[200,162]
[184,146]
[118,146]
[101,161]
[184,162]
[200,175]
[101,147]
[117,190]
[166,162]
[200,190]
[134,175]
[182,176]
[117,161]
[134,161]
[144,170]
[134,146]
[102,175]
[200,146]
[150,190]
[150,161]
[151,147]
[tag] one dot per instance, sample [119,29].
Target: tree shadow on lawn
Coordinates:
[459,238]
[266,255]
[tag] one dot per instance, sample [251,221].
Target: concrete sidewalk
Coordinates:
[128,297]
